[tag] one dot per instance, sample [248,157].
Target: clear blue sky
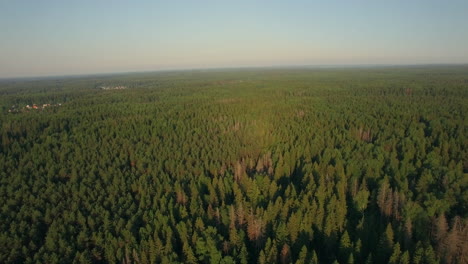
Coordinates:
[56,37]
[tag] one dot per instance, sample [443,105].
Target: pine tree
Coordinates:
[369,259]
[293,227]
[429,256]
[314,259]
[418,256]
[441,237]
[395,257]
[244,256]
[285,254]
[302,259]
[405,258]
[386,244]
[351,259]
[189,255]
[345,246]
[262,258]
[362,198]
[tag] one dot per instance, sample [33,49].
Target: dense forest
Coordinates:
[351,165]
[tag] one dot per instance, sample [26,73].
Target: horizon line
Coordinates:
[279,66]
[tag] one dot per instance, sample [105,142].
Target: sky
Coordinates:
[57,37]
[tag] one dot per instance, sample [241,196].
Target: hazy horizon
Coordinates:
[55,38]
[240,68]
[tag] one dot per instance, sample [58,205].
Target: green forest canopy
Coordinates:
[237,166]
